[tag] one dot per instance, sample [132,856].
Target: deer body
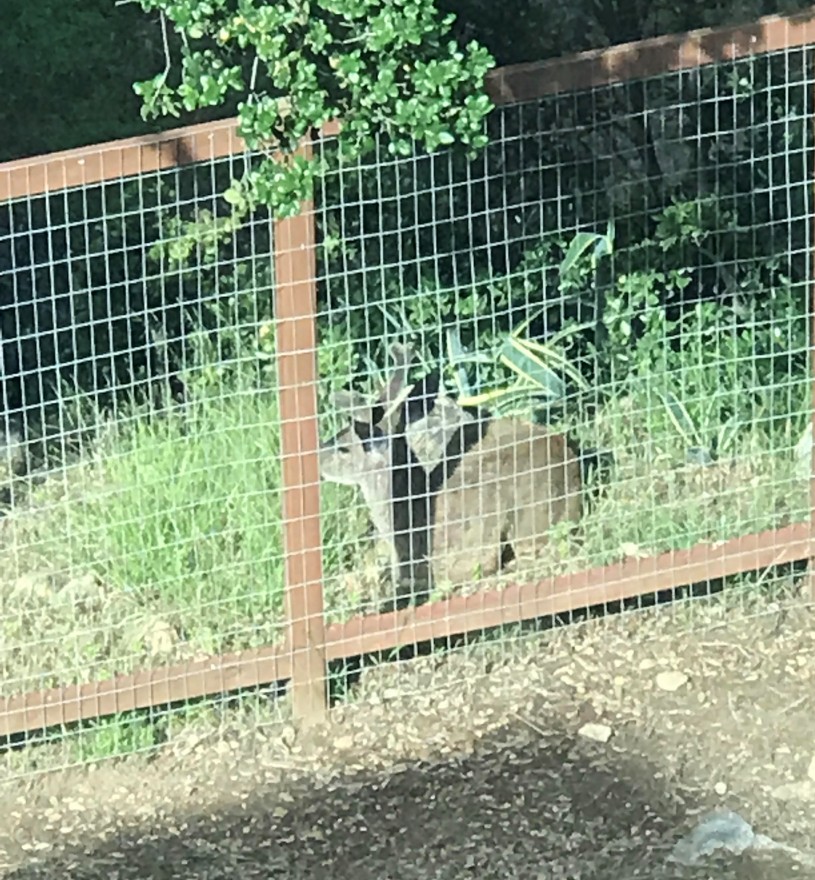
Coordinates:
[395,488]
[493,487]
[506,492]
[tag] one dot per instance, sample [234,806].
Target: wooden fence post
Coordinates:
[811,572]
[296,336]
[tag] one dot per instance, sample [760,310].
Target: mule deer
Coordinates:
[497,489]
[437,429]
[373,454]
[500,501]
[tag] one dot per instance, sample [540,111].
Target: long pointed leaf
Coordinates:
[391,319]
[728,435]
[569,330]
[531,368]
[680,418]
[455,353]
[487,396]
[527,321]
[551,354]
[610,232]
[581,242]
[604,246]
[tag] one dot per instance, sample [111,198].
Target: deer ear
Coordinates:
[421,399]
[430,435]
[449,412]
[351,403]
[402,356]
[387,407]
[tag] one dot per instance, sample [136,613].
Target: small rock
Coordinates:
[343,743]
[82,591]
[633,551]
[671,681]
[803,452]
[598,732]
[811,769]
[720,788]
[724,830]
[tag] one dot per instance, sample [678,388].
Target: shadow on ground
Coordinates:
[523,803]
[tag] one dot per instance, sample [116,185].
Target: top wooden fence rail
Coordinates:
[310,644]
[507,85]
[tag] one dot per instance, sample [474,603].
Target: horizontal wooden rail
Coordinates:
[458,615]
[653,57]
[515,83]
[38,710]
[383,632]
[570,592]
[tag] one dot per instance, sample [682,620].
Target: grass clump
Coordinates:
[190,510]
[163,542]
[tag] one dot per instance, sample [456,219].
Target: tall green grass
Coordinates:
[164,541]
[191,512]
[189,515]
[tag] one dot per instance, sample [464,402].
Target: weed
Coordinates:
[163,543]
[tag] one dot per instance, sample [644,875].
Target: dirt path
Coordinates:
[434,773]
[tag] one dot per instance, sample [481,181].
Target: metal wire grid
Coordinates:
[691,337]
[142,524]
[710,166]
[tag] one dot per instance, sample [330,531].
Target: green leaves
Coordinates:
[157,98]
[540,369]
[601,246]
[534,369]
[206,80]
[280,184]
[376,65]
[702,448]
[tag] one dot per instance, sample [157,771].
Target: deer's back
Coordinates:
[511,486]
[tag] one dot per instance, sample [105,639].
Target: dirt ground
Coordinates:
[474,764]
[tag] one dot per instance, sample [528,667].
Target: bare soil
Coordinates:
[473,764]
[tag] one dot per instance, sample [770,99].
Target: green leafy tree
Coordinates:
[379,66]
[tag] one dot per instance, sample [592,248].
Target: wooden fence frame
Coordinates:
[310,644]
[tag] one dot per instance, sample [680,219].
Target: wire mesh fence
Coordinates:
[569,376]
[674,336]
[143,524]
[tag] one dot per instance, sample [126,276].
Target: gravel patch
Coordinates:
[581,753]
